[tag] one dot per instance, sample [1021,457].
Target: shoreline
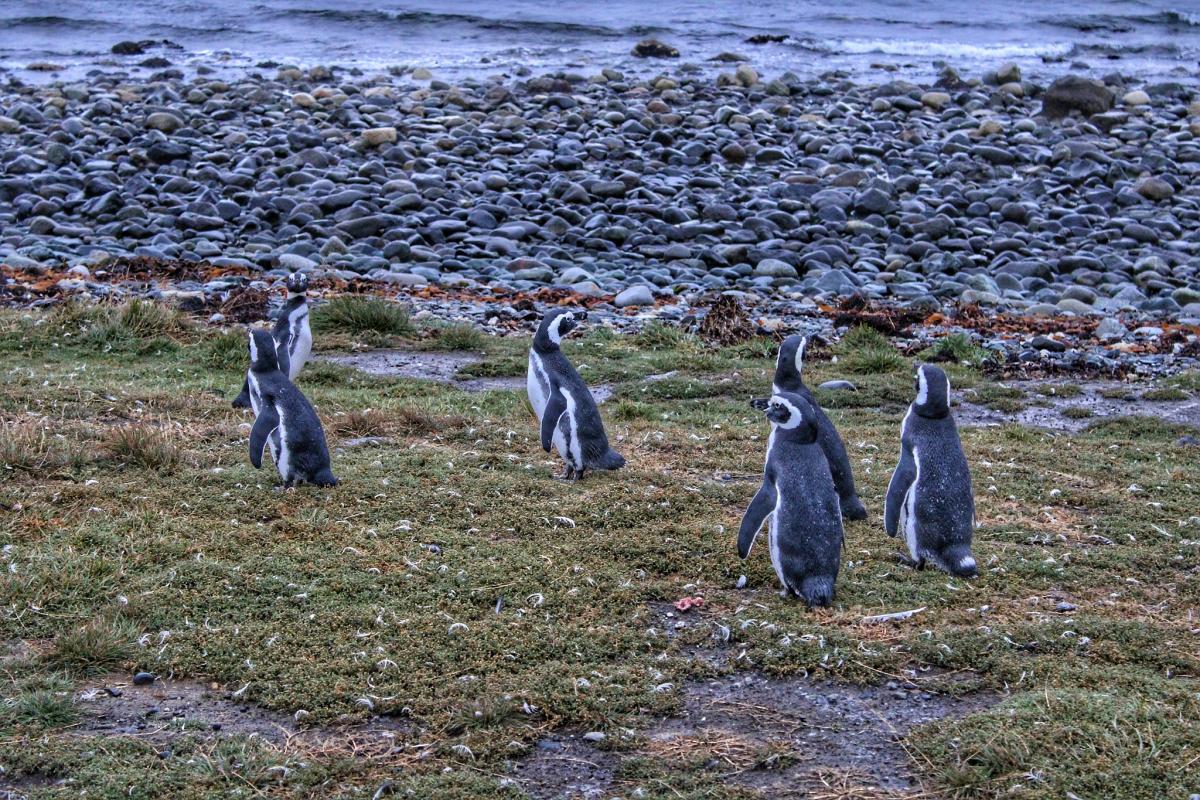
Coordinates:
[635,193]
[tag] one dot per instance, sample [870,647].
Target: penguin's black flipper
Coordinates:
[555,407]
[762,505]
[902,478]
[267,421]
[243,399]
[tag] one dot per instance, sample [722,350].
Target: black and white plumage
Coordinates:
[789,367]
[799,497]
[930,501]
[292,335]
[566,410]
[284,419]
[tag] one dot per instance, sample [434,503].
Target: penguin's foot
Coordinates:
[909,561]
[854,509]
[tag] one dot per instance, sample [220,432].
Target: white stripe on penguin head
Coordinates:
[922,387]
[553,332]
[794,415]
[800,355]
[253,348]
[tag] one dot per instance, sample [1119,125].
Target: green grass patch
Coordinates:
[1165,394]
[957,348]
[360,314]
[865,351]
[452,586]
[458,336]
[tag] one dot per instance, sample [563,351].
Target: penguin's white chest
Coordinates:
[773,540]
[283,457]
[537,384]
[566,435]
[300,345]
[255,394]
[908,511]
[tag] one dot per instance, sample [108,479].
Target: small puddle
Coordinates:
[439,367]
[1073,413]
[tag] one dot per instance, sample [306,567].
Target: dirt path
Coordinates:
[1071,411]
[783,737]
[440,367]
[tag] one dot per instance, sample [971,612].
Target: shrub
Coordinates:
[358,314]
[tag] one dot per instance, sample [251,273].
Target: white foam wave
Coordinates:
[948,50]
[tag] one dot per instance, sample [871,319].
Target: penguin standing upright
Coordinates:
[788,369]
[292,335]
[798,495]
[566,410]
[286,419]
[929,499]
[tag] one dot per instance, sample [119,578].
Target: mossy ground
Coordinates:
[451,582]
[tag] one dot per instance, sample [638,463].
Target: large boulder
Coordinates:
[1073,93]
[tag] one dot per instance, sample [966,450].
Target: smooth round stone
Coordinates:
[163,121]
[1074,306]
[1081,293]
[935,100]
[1110,329]
[634,296]
[296,263]
[374,137]
[774,268]
[1136,98]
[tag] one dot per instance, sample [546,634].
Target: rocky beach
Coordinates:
[1069,206]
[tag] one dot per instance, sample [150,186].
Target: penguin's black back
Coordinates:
[808,519]
[944,503]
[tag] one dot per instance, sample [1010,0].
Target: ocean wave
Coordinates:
[1120,23]
[434,18]
[49,21]
[927,49]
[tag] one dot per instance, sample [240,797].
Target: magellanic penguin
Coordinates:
[788,370]
[292,335]
[286,419]
[564,407]
[929,499]
[799,497]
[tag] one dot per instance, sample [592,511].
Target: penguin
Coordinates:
[798,495]
[564,407]
[788,368]
[292,334]
[285,418]
[929,498]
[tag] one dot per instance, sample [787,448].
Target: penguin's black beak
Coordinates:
[760,403]
[580,316]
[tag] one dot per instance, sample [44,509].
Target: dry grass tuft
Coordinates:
[143,446]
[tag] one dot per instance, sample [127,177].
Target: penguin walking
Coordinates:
[285,419]
[292,335]
[798,495]
[566,410]
[929,499]
[788,368]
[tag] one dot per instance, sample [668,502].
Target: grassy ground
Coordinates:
[450,583]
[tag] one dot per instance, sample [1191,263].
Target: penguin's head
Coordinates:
[790,362]
[556,325]
[933,392]
[297,283]
[262,351]
[789,412]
